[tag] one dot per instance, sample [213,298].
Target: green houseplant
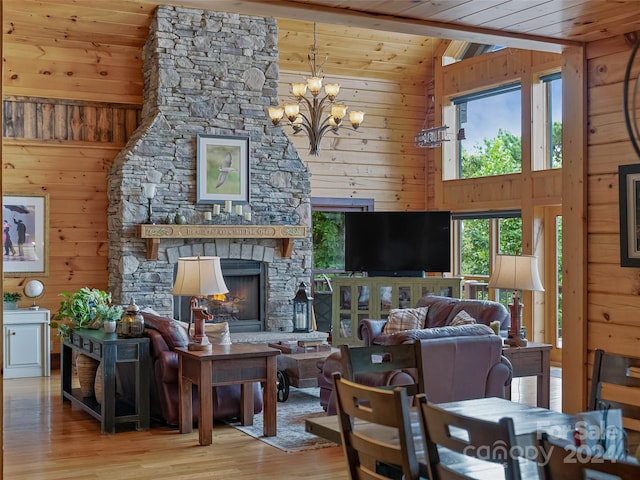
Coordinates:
[79,309]
[11,300]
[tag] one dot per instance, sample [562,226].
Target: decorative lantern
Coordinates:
[132,323]
[302,321]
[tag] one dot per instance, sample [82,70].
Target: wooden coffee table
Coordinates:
[298,370]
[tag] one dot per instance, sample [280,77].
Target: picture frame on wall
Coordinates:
[629,189]
[222,169]
[25,229]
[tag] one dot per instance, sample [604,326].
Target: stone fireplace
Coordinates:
[207,73]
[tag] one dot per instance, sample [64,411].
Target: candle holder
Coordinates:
[149,192]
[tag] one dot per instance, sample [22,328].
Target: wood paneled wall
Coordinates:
[60,135]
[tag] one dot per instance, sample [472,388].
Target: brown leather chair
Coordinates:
[165,335]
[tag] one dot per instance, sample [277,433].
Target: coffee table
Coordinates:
[298,370]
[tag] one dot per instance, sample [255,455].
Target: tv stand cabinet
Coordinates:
[357,298]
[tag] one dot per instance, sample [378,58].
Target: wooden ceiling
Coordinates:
[376,39]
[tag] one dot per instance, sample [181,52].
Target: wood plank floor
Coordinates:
[44,439]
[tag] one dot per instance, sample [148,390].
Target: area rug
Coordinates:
[302,404]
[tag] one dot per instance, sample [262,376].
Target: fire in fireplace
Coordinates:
[243,307]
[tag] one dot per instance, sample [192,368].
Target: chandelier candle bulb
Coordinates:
[227,206]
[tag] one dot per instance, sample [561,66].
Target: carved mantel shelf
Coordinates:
[287,233]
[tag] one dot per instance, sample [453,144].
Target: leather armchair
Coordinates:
[165,335]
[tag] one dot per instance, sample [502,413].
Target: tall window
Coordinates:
[480,236]
[553,91]
[489,133]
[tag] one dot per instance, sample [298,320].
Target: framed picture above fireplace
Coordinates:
[223,169]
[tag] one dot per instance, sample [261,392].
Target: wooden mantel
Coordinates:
[287,233]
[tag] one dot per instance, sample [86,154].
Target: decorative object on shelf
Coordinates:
[33,289]
[11,299]
[25,233]
[132,323]
[302,310]
[109,315]
[198,277]
[315,122]
[86,368]
[180,219]
[223,169]
[516,272]
[149,192]
[79,310]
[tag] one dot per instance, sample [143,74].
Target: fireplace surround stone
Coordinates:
[207,73]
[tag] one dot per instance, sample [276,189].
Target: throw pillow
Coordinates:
[218,333]
[405,319]
[462,318]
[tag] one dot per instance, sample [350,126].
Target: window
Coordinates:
[480,236]
[553,91]
[489,133]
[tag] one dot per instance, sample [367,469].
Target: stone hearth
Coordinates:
[215,74]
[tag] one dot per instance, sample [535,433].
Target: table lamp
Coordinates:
[199,277]
[516,272]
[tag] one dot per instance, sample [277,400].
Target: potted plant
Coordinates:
[109,315]
[11,300]
[79,309]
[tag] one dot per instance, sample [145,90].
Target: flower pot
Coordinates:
[86,368]
[109,327]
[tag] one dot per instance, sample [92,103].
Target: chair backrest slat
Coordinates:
[376,429]
[473,437]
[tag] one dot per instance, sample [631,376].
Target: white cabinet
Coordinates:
[26,343]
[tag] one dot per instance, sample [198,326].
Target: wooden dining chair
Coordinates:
[376,431]
[384,359]
[560,461]
[615,383]
[458,447]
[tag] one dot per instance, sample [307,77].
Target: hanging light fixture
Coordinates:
[435,136]
[321,113]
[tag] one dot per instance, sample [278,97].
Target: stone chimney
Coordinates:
[215,74]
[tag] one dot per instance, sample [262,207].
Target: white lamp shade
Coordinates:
[516,272]
[199,276]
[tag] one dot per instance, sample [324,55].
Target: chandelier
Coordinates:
[312,119]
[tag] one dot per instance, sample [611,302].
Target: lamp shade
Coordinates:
[516,272]
[199,276]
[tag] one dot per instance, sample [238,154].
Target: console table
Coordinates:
[531,360]
[110,350]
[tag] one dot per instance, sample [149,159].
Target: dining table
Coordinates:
[528,421]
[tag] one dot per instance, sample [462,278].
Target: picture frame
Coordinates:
[25,235]
[223,169]
[629,190]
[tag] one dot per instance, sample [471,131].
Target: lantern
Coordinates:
[132,323]
[302,321]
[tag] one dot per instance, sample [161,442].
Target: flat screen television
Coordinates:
[397,243]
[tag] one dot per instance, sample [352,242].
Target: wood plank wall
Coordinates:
[60,136]
[613,292]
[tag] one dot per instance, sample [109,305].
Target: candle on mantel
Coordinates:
[247,216]
[238,209]
[207,216]
[216,209]
[227,206]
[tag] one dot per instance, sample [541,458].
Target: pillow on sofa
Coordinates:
[218,333]
[462,318]
[405,319]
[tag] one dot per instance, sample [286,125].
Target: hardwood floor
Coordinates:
[44,439]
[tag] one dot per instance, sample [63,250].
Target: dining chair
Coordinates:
[561,461]
[376,431]
[615,383]
[458,447]
[384,362]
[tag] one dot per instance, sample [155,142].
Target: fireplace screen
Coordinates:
[243,306]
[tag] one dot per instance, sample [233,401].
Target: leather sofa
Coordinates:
[165,335]
[458,362]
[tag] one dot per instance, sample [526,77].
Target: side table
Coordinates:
[531,360]
[108,349]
